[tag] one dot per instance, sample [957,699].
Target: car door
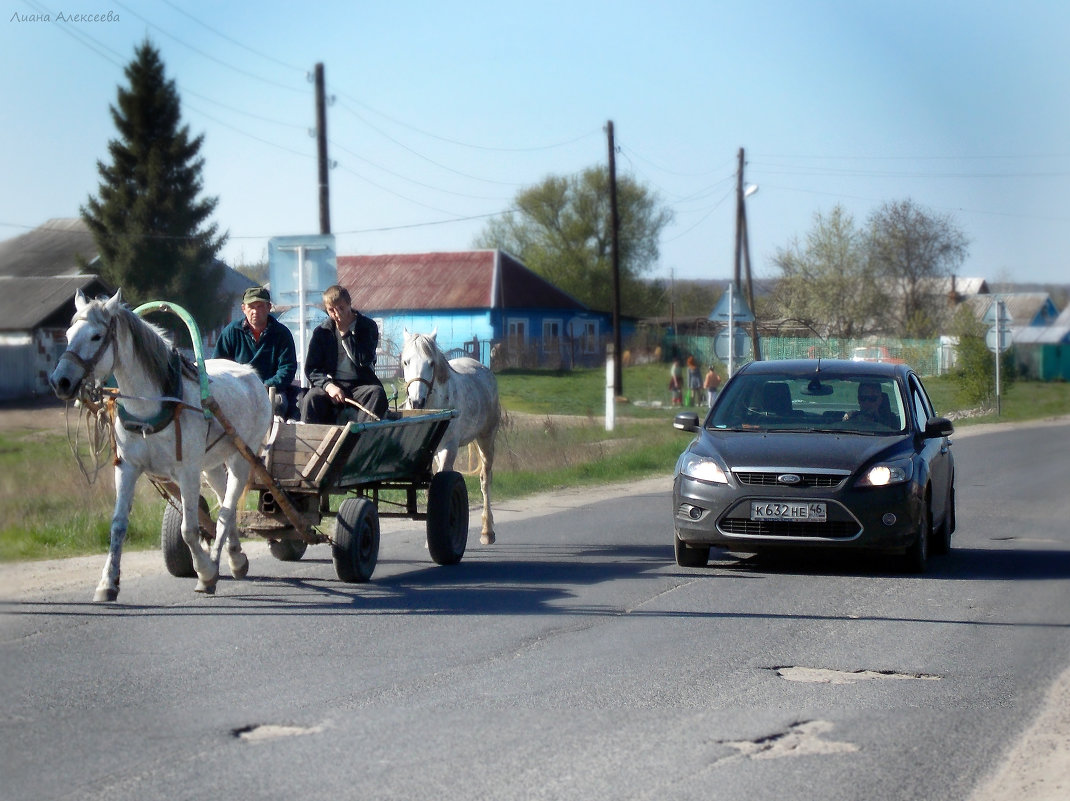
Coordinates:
[936,452]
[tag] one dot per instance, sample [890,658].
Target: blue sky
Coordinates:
[443,110]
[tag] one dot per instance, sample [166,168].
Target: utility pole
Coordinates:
[321,150]
[743,247]
[615,240]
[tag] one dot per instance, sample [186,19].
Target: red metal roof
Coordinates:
[472,279]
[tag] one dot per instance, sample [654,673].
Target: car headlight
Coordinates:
[881,475]
[702,468]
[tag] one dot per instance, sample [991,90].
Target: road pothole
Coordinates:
[828,676]
[271,731]
[801,739]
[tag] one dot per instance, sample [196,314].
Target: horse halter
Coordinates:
[420,380]
[87,365]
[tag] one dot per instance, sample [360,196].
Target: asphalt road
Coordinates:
[573,659]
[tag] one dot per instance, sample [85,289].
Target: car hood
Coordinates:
[799,450]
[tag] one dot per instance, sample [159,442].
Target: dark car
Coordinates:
[840,455]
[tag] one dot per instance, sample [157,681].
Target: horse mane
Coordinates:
[151,345]
[442,366]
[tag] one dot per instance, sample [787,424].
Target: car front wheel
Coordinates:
[917,554]
[690,556]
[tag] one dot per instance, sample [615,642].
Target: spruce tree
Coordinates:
[149,226]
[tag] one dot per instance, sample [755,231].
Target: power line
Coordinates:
[208,56]
[230,39]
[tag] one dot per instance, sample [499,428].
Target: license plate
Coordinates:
[781,510]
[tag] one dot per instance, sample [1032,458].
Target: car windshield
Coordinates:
[857,404]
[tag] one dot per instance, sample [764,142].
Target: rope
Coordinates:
[99,437]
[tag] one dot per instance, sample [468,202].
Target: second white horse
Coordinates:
[464,384]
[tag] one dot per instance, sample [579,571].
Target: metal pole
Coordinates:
[731,332]
[301,309]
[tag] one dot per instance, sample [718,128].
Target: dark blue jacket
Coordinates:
[274,357]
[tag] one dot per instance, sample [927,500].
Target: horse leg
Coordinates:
[446,457]
[125,480]
[218,479]
[189,483]
[485,446]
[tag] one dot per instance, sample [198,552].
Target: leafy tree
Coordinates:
[974,373]
[829,284]
[913,250]
[561,229]
[148,224]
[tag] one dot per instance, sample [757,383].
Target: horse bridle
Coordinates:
[87,365]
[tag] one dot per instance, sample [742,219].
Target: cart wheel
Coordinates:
[447,517]
[288,550]
[176,556]
[356,540]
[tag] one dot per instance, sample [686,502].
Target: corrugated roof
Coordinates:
[26,303]
[48,250]
[473,279]
[1037,335]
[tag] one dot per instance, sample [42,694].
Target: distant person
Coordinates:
[711,384]
[339,364]
[694,382]
[675,384]
[262,342]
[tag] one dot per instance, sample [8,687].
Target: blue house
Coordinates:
[483,303]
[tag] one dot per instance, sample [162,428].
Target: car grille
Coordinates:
[833,529]
[766,479]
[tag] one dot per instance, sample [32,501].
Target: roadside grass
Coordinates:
[553,436]
[1024,400]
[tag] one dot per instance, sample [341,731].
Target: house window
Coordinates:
[551,335]
[518,332]
[589,336]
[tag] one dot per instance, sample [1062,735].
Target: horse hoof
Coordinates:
[208,588]
[242,570]
[487,539]
[105,595]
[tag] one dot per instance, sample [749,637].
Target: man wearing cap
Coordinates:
[340,365]
[264,343]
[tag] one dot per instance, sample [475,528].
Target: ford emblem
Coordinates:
[789,478]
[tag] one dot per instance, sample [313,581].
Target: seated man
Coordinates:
[339,364]
[264,343]
[870,408]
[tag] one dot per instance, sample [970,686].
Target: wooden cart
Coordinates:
[307,464]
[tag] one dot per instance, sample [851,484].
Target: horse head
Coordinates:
[90,345]
[424,367]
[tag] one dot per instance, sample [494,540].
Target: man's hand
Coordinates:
[335,393]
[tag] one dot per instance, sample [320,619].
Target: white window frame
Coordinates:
[512,325]
[551,342]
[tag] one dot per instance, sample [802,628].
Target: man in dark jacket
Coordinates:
[339,364]
[264,343]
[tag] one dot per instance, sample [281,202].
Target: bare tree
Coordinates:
[913,250]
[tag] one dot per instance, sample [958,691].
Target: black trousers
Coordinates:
[319,407]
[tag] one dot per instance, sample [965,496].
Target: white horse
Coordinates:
[464,384]
[172,442]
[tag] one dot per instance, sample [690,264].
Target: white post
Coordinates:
[301,309]
[611,409]
[999,345]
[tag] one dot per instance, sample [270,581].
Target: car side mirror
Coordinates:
[938,427]
[686,421]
